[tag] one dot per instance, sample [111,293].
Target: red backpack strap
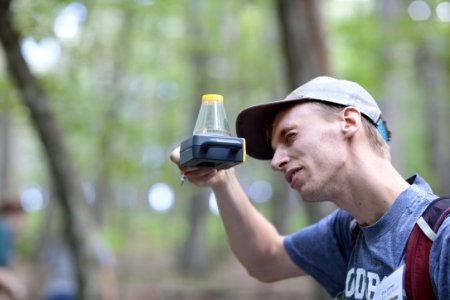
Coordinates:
[417,276]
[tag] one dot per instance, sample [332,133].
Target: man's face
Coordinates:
[309,150]
[16,221]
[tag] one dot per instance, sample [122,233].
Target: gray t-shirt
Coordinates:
[324,249]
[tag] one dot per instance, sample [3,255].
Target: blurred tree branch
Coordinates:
[66,182]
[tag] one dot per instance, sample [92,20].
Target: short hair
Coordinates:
[10,206]
[375,139]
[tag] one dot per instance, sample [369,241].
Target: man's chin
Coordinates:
[312,196]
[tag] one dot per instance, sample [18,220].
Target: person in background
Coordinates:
[12,220]
[59,274]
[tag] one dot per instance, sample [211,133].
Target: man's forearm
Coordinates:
[253,239]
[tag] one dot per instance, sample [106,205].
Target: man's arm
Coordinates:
[253,239]
[11,284]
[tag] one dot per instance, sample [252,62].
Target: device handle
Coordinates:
[211,144]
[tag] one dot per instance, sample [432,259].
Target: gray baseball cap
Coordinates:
[253,123]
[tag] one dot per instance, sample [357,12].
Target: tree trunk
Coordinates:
[303,40]
[6,160]
[195,257]
[431,75]
[117,91]
[306,57]
[67,184]
[393,83]
[282,204]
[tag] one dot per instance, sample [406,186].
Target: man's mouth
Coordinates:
[290,175]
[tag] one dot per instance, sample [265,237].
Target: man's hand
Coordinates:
[12,285]
[202,177]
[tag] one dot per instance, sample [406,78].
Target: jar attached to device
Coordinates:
[211,145]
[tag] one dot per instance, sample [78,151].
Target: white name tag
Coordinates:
[391,287]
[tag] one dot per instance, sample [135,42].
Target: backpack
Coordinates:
[417,277]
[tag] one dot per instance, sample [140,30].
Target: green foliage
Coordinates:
[356,46]
[371,49]
[124,87]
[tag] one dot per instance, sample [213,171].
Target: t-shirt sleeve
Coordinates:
[5,245]
[440,262]
[322,250]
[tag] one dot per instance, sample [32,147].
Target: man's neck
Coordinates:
[372,188]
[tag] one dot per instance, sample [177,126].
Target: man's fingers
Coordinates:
[196,175]
[201,177]
[198,172]
[175,156]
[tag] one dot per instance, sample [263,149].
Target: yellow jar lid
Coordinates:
[212,97]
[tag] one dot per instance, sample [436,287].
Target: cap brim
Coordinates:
[253,123]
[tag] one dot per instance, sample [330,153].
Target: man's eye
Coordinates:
[290,137]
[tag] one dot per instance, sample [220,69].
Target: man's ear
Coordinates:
[351,117]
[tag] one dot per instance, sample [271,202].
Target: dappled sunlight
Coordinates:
[260,191]
[41,55]
[89,192]
[161,197]
[419,10]
[32,199]
[443,11]
[212,204]
[68,22]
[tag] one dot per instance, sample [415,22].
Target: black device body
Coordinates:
[208,151]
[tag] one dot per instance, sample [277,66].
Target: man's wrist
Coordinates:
[223,178]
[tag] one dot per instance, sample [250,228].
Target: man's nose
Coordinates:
[279,159]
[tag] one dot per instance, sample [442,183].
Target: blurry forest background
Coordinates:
[94,95]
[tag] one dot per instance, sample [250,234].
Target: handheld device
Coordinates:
[212,145]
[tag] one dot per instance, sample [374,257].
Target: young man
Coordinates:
[328,140]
